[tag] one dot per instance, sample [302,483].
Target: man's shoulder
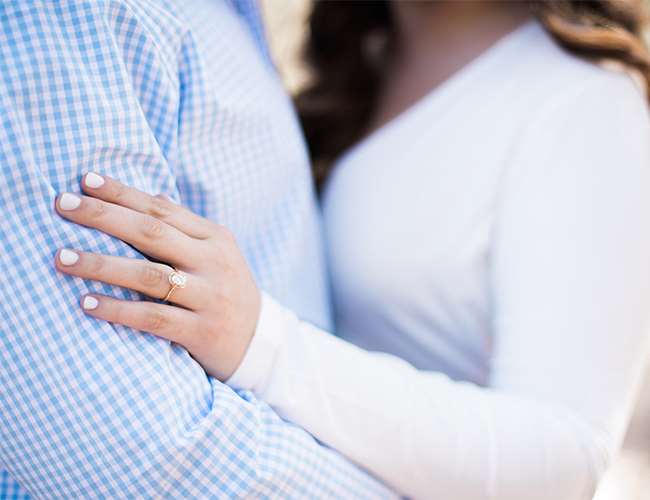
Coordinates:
[31,28]
[156,14]
[36,5]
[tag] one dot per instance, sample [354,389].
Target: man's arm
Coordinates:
[88,409]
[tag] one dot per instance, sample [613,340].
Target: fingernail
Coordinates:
[68,257]
[93,180]
[90,303]
[69,201]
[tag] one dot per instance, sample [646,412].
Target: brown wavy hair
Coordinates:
[350,42]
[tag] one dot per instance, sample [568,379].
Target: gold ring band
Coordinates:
[176,280]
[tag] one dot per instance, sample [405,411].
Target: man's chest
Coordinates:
[240,149]
[240,158]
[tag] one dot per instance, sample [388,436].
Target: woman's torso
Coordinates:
[410,210]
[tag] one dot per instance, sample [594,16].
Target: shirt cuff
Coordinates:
[271,332]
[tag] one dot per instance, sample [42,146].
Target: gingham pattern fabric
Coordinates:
[169,97]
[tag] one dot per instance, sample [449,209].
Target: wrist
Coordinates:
[270,333]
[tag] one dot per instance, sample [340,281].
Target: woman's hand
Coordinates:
[220,303]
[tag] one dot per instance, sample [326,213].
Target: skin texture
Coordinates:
[214,317]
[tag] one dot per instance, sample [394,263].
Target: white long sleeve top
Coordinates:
[493,242]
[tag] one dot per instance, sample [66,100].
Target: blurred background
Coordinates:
[629,478]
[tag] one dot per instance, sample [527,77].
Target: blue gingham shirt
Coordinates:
[168,96]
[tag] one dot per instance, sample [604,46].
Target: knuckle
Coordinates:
[225,238]
[152,228]
[156,321]
[159,207]
[194,335]
[221,297]
[119,315]
[151,275]
[96,265]
[185,335]
[119,192]
[222,232]
[97,209]
[210,253]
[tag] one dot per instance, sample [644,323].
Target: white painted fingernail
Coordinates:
[94,181]
[90,303]
[69,201]
[68,257]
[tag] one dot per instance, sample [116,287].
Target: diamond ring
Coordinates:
[176,280]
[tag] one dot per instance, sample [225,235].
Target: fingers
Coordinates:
[151,236]
[160,207]
[143,276]
[169,322]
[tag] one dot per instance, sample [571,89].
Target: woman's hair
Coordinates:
[350,42]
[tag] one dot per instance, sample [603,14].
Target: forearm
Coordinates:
[422,433]
[569,291]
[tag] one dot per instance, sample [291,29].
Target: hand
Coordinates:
[220,304]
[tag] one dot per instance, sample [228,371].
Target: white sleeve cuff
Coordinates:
[271,332]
